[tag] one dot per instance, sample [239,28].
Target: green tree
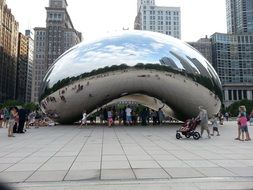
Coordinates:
[233,108]
[31,106]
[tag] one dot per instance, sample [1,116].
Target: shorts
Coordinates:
[11,123]
[84,121]
[215,128]
[129,118]
[244,128]
[204,126]
[110,119]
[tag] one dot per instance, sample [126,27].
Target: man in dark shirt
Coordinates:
[22,118]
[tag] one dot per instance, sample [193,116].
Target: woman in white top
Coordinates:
[84,119]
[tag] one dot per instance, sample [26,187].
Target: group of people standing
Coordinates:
[14,119]
[17,120]
[127,116]
[242,123]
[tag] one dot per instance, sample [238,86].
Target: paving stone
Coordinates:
[15,177]
[82,175]
[183,173]
[115,165]
[215,172]
[144,164]
[151,174]
[122,174]
[47,176]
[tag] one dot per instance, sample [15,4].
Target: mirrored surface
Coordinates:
[136,55]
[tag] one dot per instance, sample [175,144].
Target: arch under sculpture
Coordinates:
[135,65]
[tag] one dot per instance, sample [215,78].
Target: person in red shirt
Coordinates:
[243,125]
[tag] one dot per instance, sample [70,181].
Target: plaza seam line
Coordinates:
[78,153]
[149,155]
[28,156]
[124,153]
[102,150]
[74,135]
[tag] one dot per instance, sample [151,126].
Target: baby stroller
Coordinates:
[188,129]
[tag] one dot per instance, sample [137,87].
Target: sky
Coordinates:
[96,18]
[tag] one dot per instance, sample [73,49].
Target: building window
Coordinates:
[229,94]
[245,94]
[235,94]
[239,94]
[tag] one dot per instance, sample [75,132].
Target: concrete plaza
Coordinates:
[125,158]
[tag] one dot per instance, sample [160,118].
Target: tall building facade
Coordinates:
[50,42]
[233,61]
[204,46]
[8,52]
[22,65]
[166,20]
[239,16]
[233,52]
[29,78]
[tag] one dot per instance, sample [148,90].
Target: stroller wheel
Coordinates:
[196,135]
[178,136]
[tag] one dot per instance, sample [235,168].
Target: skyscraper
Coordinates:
[233,52]
[204,46]
[166,20]
[233,61]
[50,42]
[8,52]
[22,68]
[239,16]
[29,35]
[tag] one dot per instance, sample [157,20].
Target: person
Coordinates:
[203,116]
[124,116]
[144,117]
[215,125]
[6,117]
[22,119]
[160,116]
[226,116]
[101,116]
[242,110]
[110,117]
[105,115]
[13,121]
[154,117]
[134,117]
[221,118]
[120,116]
[1,118]
[128,115]
[251,118]
[242,121]
[84,119]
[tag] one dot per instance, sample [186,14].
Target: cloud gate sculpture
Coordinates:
[153,69]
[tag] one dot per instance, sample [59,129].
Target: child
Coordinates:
[243,125]
[84,119]
[215,125]
[110,119]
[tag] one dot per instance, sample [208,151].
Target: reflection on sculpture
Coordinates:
[93,74]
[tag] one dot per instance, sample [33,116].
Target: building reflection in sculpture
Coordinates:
[93,74]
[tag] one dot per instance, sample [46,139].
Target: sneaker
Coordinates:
[211,134]
[218,134]
[237,138]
